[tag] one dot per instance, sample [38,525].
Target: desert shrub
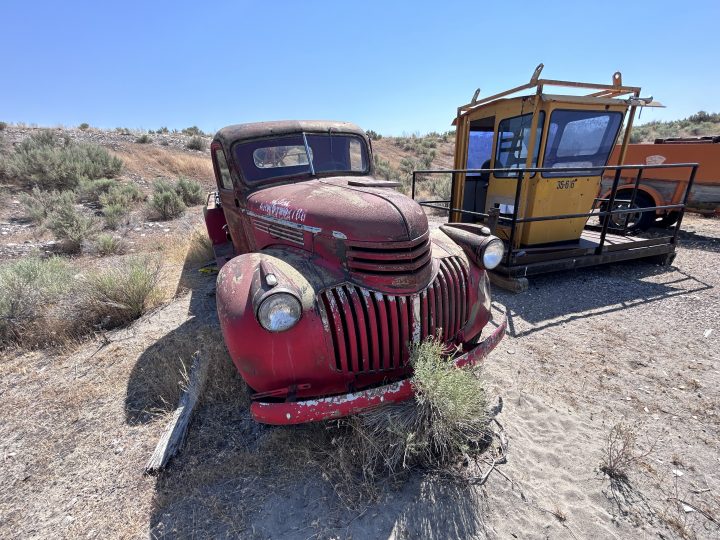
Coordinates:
[122,195]
[48,161]
[38,204]
[383,169]
[447,420]
[440,186]
[164,142]
[190,191]
[163,130]
[84,126]
[3,125]
[92,190]
[196,143]
[122,293]
[373,135]
[115,216]
[192,130]
[29,287]
[71,226]
[107,244]
[143,139]
[166,202]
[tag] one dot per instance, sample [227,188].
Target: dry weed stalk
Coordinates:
[620,454]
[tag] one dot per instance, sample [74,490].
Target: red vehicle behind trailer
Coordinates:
[328,276]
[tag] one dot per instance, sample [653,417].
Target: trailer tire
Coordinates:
[640,221]
[667,220]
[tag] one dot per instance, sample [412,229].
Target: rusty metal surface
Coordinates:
[241,132]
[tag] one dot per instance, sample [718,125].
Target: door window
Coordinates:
[513,140]
[223,169]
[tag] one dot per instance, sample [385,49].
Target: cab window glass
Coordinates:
[513,140]
[223,168]
[580,139]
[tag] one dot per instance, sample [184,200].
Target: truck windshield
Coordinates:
[267,159]
[580,139]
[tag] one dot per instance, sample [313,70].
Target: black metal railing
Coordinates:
[521,175]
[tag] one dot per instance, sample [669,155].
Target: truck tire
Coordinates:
[640,221]
[667,220]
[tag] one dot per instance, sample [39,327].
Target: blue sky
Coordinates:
[395,67]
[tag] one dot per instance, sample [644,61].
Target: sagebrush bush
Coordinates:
[71,226]
[122,195]
[48,161]
[38,203]
[115,215]
[143,139]
[122,293]
[84,126]
[190,191]
[196,143]
[165,201]
[29,289]
[107,244]
[3,125]
[192,130]
[92,190]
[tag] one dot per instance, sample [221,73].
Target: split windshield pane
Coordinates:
[267,159]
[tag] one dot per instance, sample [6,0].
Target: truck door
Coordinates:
[231,202]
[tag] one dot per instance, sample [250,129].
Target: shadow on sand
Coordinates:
[555,299]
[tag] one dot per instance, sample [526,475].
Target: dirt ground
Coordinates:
[633,343]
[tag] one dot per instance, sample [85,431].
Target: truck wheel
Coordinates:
[668,220]
[632,222]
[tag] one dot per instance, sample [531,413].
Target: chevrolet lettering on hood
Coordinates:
[328,275]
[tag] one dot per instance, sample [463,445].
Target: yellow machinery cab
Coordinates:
[565,133]
[529,167]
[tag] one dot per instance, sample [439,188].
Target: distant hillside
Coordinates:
[698,125]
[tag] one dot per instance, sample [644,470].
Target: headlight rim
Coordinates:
[270,295]
[492,241]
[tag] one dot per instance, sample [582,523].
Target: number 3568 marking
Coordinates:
[565,184]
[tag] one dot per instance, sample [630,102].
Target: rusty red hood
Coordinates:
[349,207]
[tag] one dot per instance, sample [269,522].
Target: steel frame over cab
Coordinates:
[530,169]
[328,276]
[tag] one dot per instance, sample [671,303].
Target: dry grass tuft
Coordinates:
[200,248]
[30,291]
[620,452]
[123,292]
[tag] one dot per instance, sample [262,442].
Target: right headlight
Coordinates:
[493,253]
[279,312]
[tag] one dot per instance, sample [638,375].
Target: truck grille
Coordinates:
[389,259]
[372,331]
[276,230]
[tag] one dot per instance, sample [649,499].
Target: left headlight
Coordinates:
[279,312]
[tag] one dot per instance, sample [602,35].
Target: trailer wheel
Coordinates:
[632,222]
[667,220]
